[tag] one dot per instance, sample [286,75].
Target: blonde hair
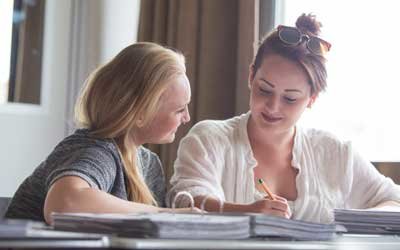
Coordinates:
[123,93]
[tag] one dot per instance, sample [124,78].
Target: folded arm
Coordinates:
[388,206]
[73,194]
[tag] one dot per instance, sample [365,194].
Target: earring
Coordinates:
[139,123]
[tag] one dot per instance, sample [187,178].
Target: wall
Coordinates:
[120,26]
[29,132]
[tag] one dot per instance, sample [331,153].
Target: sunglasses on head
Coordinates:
[293,36]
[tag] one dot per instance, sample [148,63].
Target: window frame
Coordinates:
[271,14]
[26,52]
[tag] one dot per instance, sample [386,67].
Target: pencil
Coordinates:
[261,181]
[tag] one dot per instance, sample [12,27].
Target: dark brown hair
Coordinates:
[314,65]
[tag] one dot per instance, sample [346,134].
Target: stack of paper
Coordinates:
[27,229]
[368,221]
[271,226]
[160,225]
[17,228]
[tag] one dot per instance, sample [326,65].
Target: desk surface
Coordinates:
[104,242]
[342,243]
[43,238]
[37,243]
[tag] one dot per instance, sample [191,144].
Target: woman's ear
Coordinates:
[140,122]
[313,98]
[252,74]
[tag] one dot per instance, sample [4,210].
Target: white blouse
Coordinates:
[215,158]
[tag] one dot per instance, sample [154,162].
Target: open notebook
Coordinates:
[368,221]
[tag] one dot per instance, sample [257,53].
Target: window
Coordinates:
[6,11]
[21,48]
[362,100]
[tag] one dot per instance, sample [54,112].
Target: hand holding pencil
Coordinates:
[273,205]
[264,186]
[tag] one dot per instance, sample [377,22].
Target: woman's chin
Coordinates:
[168,139]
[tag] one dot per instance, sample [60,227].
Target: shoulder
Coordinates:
[322,139]
[84,137]
[218,129]
[96,160]
[326,147]
[82,143]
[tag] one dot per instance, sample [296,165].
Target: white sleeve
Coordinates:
[198,167]
[369,187]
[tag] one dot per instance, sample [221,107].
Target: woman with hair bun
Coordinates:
[140,96]
[308,171]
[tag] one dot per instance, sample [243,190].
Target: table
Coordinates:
[348,242]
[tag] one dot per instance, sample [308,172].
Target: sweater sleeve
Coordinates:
[94,164]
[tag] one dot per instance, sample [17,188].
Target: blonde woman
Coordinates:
[140,96]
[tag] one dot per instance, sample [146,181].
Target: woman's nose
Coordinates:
[186,117]
[272,104]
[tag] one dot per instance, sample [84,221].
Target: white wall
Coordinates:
[29,132]
[101,29]
[120,26]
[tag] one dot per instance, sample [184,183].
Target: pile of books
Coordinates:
[17,228]
[368,221]
[193,226]
[156,225]
[270,226]
[11,229]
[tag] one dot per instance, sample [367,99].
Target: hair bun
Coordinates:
[308,24]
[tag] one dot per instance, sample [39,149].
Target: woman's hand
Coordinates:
[278,207]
